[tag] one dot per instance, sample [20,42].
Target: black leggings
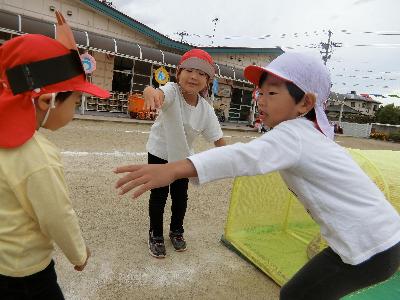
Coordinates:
[38,286]
[327,277]
[158,198]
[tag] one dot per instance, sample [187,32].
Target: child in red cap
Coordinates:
[184,115]
[41,82]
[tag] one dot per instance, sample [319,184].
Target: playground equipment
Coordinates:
[269,227]
[136,108]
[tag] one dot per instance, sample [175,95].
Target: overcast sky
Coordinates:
[369,30]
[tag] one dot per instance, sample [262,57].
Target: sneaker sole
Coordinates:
[152,254]
[180,250]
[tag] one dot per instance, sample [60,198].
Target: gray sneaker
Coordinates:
[177,241]
[156,246]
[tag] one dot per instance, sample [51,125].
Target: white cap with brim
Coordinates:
[308,73]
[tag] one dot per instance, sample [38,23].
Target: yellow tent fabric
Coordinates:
[268,226]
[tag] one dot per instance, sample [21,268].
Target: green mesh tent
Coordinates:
[268,226]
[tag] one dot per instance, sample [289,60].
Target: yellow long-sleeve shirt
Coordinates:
[35,209]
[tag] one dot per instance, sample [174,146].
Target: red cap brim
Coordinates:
[253,74]
[91,89]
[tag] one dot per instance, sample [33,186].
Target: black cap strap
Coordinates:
[38,74]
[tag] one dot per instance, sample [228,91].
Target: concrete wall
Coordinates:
[103,75]
[83,17]
[243,60]
[356,130]
[385,128]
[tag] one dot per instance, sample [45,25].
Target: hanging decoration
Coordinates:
[88,62]
[161,75]
[215,86]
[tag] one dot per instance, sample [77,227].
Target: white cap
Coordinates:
[308,73]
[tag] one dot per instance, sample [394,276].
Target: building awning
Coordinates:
[225,71]
[97,42]
[152,54]
[29,25]
[129,49]
[9,21]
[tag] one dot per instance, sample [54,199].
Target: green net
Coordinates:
[268,226]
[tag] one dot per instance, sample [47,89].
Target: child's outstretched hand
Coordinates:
[143,177]
[80,268]
[153,98]
[147,177]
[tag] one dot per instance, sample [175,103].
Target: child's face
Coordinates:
[64,111]
[192,81]
[275,104]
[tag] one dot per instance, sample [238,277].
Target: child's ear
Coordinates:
[43,102]
[307,103]
[178,72]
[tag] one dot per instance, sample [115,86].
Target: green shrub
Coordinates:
[379,136]
[395,136]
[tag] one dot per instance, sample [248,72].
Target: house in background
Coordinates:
[128,53]
[351,105]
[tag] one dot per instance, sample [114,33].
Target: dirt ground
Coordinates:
[116,228]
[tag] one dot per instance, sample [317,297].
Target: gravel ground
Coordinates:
[116,228]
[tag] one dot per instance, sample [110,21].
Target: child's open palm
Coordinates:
[143,178]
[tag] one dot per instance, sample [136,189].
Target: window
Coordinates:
[247,97]
[4,37]
[143,68]
[122,76]
[237,96]
[141,75]
[353,104]
[363,105]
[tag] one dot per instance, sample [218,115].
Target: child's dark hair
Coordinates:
[62,96]
[294,91]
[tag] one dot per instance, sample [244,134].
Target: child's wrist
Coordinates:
[183,169]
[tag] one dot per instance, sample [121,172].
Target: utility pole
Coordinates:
[108,3]
[182,34]
[327,47]
[215,20]
[326,54]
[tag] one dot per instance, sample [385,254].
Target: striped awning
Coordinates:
[21,24]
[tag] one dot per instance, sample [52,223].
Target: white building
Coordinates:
[128,52]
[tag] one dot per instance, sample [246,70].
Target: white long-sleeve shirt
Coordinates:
[179,124]
[355,218]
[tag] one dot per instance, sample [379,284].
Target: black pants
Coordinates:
[38,286]
[158,198]
[327,277]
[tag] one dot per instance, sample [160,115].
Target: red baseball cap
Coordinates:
[32,65]
[198,59]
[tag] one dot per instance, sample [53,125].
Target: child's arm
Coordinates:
[277,150]
[153,98]
[51,207]
[153,175]
[213,131]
